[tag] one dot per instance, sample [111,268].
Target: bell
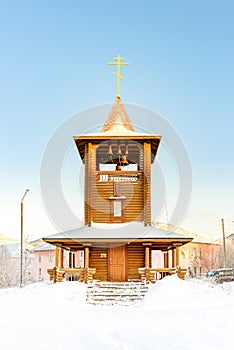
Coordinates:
[110,153]
[119,150]
[126,151]
[124,161]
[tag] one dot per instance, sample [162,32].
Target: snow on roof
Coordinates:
[196,238]
[43,247]
[132,230]
[14,250]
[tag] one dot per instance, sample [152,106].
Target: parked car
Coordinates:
[221,275]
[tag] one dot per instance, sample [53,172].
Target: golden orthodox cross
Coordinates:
[118,63]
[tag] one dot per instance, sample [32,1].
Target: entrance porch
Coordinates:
[117,263]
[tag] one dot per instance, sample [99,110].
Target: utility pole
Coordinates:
[224,244]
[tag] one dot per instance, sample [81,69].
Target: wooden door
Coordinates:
[117,264]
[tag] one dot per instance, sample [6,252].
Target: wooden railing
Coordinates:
[152,274]
[71,274]
[118,176]
[86,274]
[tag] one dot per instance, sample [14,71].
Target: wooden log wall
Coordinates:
[87,211]
[132,205]
[98,260]
[136,259]
[147,183]
[137,206]
[90,180]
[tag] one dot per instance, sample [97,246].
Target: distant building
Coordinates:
[199,256]
[44,258]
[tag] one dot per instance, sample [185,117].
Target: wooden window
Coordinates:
[117,212]
[39,258]
[39,272]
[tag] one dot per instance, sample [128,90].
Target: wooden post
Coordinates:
[166,259]
[73,260]
[177,256]
[147,262]
[70,259]
[61,257]
[174,257]
[57,257]
[87,257]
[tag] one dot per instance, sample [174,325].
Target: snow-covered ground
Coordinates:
[175,314]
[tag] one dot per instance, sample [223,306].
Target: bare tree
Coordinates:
[10,266]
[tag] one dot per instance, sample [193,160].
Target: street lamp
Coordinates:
[21,236]
[224,245]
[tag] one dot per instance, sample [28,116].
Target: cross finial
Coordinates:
[118,63]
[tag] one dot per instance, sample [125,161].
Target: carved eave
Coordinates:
[124,234]
[97,138]
[80,243]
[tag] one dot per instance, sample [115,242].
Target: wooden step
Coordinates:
[116,293]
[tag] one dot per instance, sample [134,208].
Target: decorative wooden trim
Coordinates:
[118,172]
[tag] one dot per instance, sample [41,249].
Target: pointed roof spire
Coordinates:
[118,118]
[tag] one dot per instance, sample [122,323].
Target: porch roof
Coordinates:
[134,231]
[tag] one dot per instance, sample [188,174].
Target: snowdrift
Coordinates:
[175,314]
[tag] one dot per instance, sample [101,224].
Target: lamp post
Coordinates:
[22,236]
[224,245]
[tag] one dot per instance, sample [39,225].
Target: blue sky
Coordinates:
[53,64]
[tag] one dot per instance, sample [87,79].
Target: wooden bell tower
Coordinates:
[117,170]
